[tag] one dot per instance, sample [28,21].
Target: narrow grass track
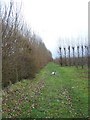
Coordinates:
[64,95]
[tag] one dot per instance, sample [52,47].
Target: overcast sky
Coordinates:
[57,20]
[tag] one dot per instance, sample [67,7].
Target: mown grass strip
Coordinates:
[64,95]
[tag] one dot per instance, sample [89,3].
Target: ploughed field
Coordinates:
[63,95]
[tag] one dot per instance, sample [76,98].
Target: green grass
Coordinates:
[64,95]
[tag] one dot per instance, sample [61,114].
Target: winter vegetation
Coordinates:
[73,54]
[34,85]
[23,52]
[63,95]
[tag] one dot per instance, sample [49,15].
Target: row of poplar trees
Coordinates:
[23,52]
[73,55]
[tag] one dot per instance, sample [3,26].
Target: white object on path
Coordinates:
[53,73]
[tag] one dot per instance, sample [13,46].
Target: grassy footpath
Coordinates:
[64,95]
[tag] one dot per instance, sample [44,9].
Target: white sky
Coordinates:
[55,19]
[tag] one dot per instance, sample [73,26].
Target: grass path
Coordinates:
[64,95]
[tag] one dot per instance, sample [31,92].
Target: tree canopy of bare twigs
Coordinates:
[23,52]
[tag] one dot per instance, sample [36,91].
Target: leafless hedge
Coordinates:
[23,52]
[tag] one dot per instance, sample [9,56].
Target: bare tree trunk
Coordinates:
[8,19]
[86,55]
[73,55]
[78,56]
[65,55]
[60,56]
[69,55]
[82,57]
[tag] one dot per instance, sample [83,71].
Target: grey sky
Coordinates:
[57,21]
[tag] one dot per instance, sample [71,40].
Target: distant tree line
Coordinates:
[23,52]
[73,56]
